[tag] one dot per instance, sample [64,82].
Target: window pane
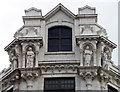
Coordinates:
[66,42]
[53,48]
[66,32]
[53,32]
[53,41]
[66,48]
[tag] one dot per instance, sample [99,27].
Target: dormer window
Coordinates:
[59,39]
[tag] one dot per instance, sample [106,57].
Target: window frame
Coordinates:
[60,38]
[60,83]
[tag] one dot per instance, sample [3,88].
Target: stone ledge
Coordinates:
[58,53]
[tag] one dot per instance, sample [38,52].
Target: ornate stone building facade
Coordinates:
[60,52]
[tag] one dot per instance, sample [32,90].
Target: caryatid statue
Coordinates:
[87,56]
[13,60]
[30,58]
[106,57]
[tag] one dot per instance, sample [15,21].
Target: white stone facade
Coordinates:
[89,62]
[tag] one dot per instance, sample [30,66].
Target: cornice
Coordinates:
[97,38]
[86,15]
[23,39]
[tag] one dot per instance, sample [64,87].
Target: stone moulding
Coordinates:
[88,73]
[97,38]
[59,7]
[22,39]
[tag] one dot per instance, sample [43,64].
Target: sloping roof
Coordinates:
[57,8]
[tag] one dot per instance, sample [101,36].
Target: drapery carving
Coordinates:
[13,59]
[30,57]
[106,56]
[87,55]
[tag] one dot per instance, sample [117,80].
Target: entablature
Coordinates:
[96,38]
[24,39]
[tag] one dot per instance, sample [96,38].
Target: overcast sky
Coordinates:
[11,12]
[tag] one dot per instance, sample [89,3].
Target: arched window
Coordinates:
[59,39]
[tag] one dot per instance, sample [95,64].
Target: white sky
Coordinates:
[11,12]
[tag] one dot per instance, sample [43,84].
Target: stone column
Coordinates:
[94,57]
[18,53]
[36,59]
[37,53]
[81,57]
[23,55]
[101,46]
[19,60]
[23,64]
[15,64]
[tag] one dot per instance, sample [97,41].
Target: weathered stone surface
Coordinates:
[89,62]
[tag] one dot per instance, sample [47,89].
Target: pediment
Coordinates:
[87,10]
[60,17]
[33,12]
[58,8]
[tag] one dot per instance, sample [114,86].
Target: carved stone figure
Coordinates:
[106,57]
[13,59]
[30,58]
[87,56]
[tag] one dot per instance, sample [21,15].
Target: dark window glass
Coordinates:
[59,85]
[66,42]
[111,89]
[54,32]
[11,90]
[59,39]
[65,32]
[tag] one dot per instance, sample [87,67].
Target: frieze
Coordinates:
[59,68]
